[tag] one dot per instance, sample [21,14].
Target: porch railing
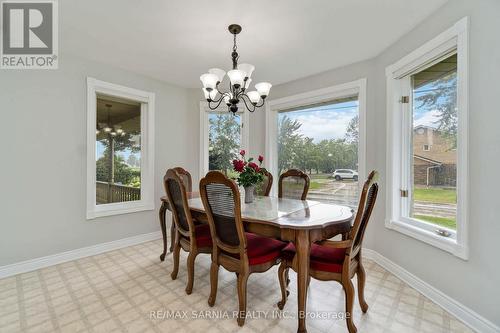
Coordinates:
[108,193]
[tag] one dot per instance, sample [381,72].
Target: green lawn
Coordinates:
[318,180]
[320,176]
[437,195]
[314,185]
[447,222]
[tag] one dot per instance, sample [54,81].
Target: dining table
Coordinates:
[302,222]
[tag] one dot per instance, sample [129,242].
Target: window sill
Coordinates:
[118,209]
[446,244]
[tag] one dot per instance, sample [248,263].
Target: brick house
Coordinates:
[434,159]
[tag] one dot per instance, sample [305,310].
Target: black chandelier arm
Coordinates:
[261,104]
[241,92]
[218,90]
[217,106]
[242,96]
[217,100]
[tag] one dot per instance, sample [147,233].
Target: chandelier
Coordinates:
[239,82]
[108,127]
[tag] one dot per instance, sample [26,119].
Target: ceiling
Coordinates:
[437,71]
[112,111]
[177,41]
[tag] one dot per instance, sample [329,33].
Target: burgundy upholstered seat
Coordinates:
[322,258]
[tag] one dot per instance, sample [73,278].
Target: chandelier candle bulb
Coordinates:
[209,81]
[263,88]
[218,72]
[107,129]
[247,69]
[212,95]
[253,96]
[236,76]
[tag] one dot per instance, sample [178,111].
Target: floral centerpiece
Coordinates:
[250,174]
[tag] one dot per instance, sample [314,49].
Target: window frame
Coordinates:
[455,39]
[205,111]
[147,100]
[273,107]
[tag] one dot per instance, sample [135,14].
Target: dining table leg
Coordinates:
[163,210]
[303,247]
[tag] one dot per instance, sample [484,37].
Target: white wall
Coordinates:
[474,283]
[43,135]
[42,196]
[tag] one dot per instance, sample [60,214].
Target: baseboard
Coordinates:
[31,265]
[470,318]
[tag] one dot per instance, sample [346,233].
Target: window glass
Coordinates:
[323,142]
[224,141]
[118,151]
[434,171]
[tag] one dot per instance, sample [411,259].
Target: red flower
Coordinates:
[238,165]
[261,158]
[254,166]
[242,152]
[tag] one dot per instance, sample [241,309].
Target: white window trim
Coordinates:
[147,100]
[455,38]
[204,131]
[332,93]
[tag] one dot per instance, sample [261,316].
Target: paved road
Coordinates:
[346,193]
[435,209]
[338,192]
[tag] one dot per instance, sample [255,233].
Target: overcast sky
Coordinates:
[326,121]
[428,118]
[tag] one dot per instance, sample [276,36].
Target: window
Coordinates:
[433,175]
[319,140]
[427,113]
[224,140]
[120,151]
[321,133]
[223,136]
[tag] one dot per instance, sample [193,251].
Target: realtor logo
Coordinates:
[29,35]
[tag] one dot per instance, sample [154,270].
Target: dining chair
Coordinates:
[338,260]
[293,184]
[188,184]
[264,188]
[192,238]
[234,249]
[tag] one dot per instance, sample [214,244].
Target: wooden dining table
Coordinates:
[302,222]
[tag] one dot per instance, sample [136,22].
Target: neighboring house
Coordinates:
[434,158]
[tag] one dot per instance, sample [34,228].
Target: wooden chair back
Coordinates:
[177,197]
[365,208]
[221,199]
[186,178]
[293,184]
[264,188]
